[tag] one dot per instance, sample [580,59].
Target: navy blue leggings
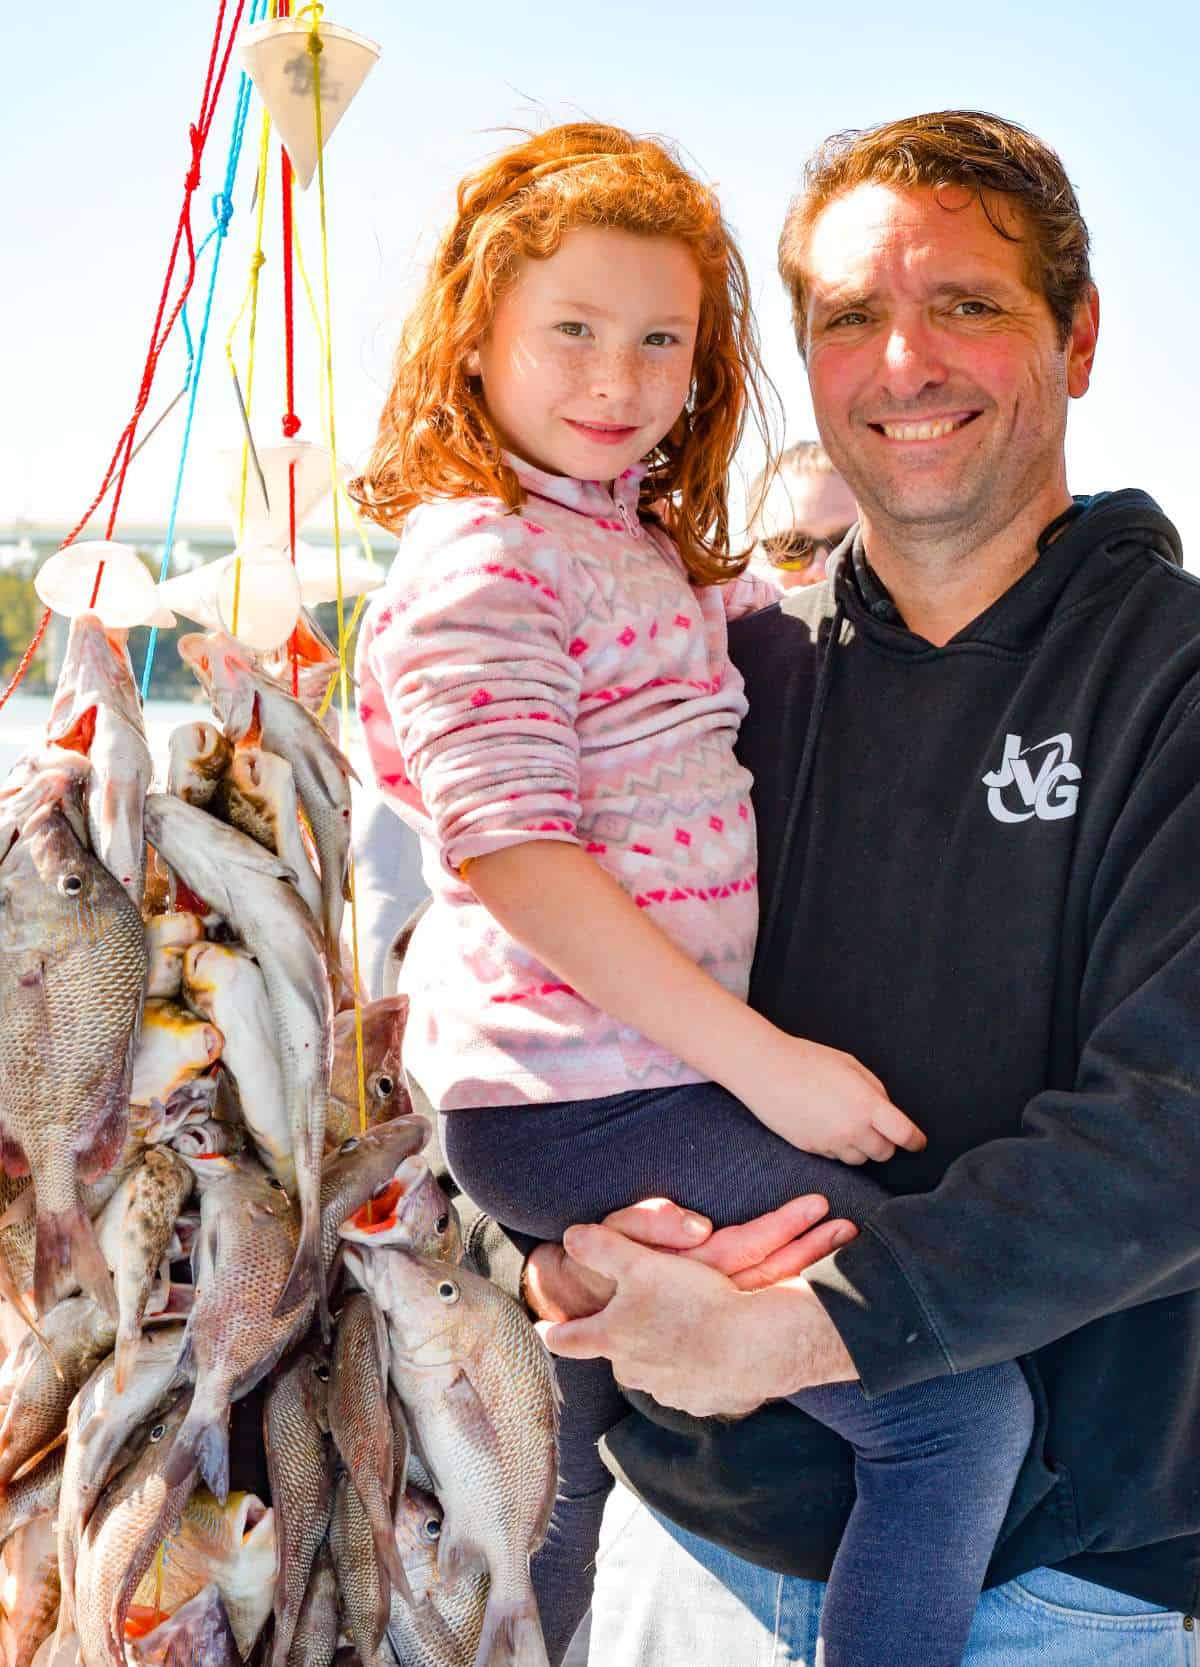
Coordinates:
[935,1463]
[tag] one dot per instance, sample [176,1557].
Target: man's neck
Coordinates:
[939,584]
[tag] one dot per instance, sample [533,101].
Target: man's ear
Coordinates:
[1082,346]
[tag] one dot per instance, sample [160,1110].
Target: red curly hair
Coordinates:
[435,438]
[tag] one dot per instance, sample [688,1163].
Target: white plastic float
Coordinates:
[277,59]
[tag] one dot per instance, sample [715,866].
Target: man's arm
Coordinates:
[1093,1208]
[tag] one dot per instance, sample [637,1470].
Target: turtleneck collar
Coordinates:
[589,497]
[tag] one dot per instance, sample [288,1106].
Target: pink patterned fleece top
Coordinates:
[552,674]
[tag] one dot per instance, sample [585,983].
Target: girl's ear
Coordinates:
[471,363]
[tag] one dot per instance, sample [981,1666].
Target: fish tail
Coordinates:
[202,1441]
[512,1633]
[68,1253]
[124,1355]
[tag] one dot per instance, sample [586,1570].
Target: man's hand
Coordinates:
[683,1332]
[756,1254]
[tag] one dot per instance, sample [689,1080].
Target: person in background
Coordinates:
[804,514]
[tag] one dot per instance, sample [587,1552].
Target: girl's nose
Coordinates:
[614,376]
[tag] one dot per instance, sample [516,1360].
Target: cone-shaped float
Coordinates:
[265,598]
[267,525]
[280,61]
[127,596]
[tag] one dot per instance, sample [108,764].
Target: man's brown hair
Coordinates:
[991,157]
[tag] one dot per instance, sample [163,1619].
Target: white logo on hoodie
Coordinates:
[1050,795]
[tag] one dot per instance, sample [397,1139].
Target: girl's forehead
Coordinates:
[604,266]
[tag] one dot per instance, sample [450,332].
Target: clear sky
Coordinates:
[93,152]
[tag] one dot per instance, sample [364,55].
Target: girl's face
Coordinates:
[588,361]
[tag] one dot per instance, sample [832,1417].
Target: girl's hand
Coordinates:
[824,1101]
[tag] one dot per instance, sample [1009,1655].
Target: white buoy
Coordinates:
[128,595]
[319,576]
[267,597]
[267,525]
[279,61]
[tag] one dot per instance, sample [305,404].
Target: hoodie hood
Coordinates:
[1080,555]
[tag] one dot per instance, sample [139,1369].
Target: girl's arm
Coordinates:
[564,908]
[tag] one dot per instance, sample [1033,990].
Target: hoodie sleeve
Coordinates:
[1095,1206]
[748,594]
[471,657]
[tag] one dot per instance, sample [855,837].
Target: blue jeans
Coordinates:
[664,1598]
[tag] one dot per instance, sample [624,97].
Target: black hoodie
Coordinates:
[979,875]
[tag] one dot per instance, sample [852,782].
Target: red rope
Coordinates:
[119,464]
[291,422]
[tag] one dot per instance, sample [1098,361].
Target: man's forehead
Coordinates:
[876,234]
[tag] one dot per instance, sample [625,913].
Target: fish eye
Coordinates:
[321,1371]
[349,1145]
[382,1085]
[157,1433]
[448,1291]
[71,885]
[274,1181]
[441,1224]
[432,1528]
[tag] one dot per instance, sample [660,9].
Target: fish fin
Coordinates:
[107,1142]
[512,1634]
[202,1441]
[19,1210]
[68,1252]
[388,1553]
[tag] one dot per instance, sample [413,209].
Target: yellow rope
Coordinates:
[315,48]
[257,262]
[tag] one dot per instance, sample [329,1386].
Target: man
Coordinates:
[804,514]
[977,757]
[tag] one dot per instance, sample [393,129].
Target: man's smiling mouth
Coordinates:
[927,428]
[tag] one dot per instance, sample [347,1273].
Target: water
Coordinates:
[387,861]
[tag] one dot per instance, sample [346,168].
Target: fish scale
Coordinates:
[72,978]
[301,1472]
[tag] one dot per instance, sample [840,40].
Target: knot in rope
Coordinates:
[222,207]
[314,45]
[192,177]
[257,261]
[291,425]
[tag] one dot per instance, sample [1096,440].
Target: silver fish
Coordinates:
[174,1046]
[35,1495]
[138,1510]
[361,1582]
[314,1642]
[478,1388]
[97,711]
[145,1211]
[242,697]
[167,936]
[245,883]
[411,1213]
[257,795]
[443,1627]
[226,986]
[99,1425]
[231,1544]
[198,756]
[78,1334]
[361,1425]
[29,1592]
[299,1462]
[383,1073]
[72,975]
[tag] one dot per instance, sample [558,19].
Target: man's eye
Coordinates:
[572,327]
[973,309]
[846,320]
[661,338]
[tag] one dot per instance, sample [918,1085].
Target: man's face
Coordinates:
[938,381]
[806,515]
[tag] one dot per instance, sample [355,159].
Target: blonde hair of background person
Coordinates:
[803,510]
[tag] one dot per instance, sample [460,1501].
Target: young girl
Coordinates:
[547,698]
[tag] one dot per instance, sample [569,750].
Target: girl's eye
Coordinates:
[573,327]
[661,338]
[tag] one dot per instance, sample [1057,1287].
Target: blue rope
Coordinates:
[222,206]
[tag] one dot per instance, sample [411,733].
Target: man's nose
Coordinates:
[911,361]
